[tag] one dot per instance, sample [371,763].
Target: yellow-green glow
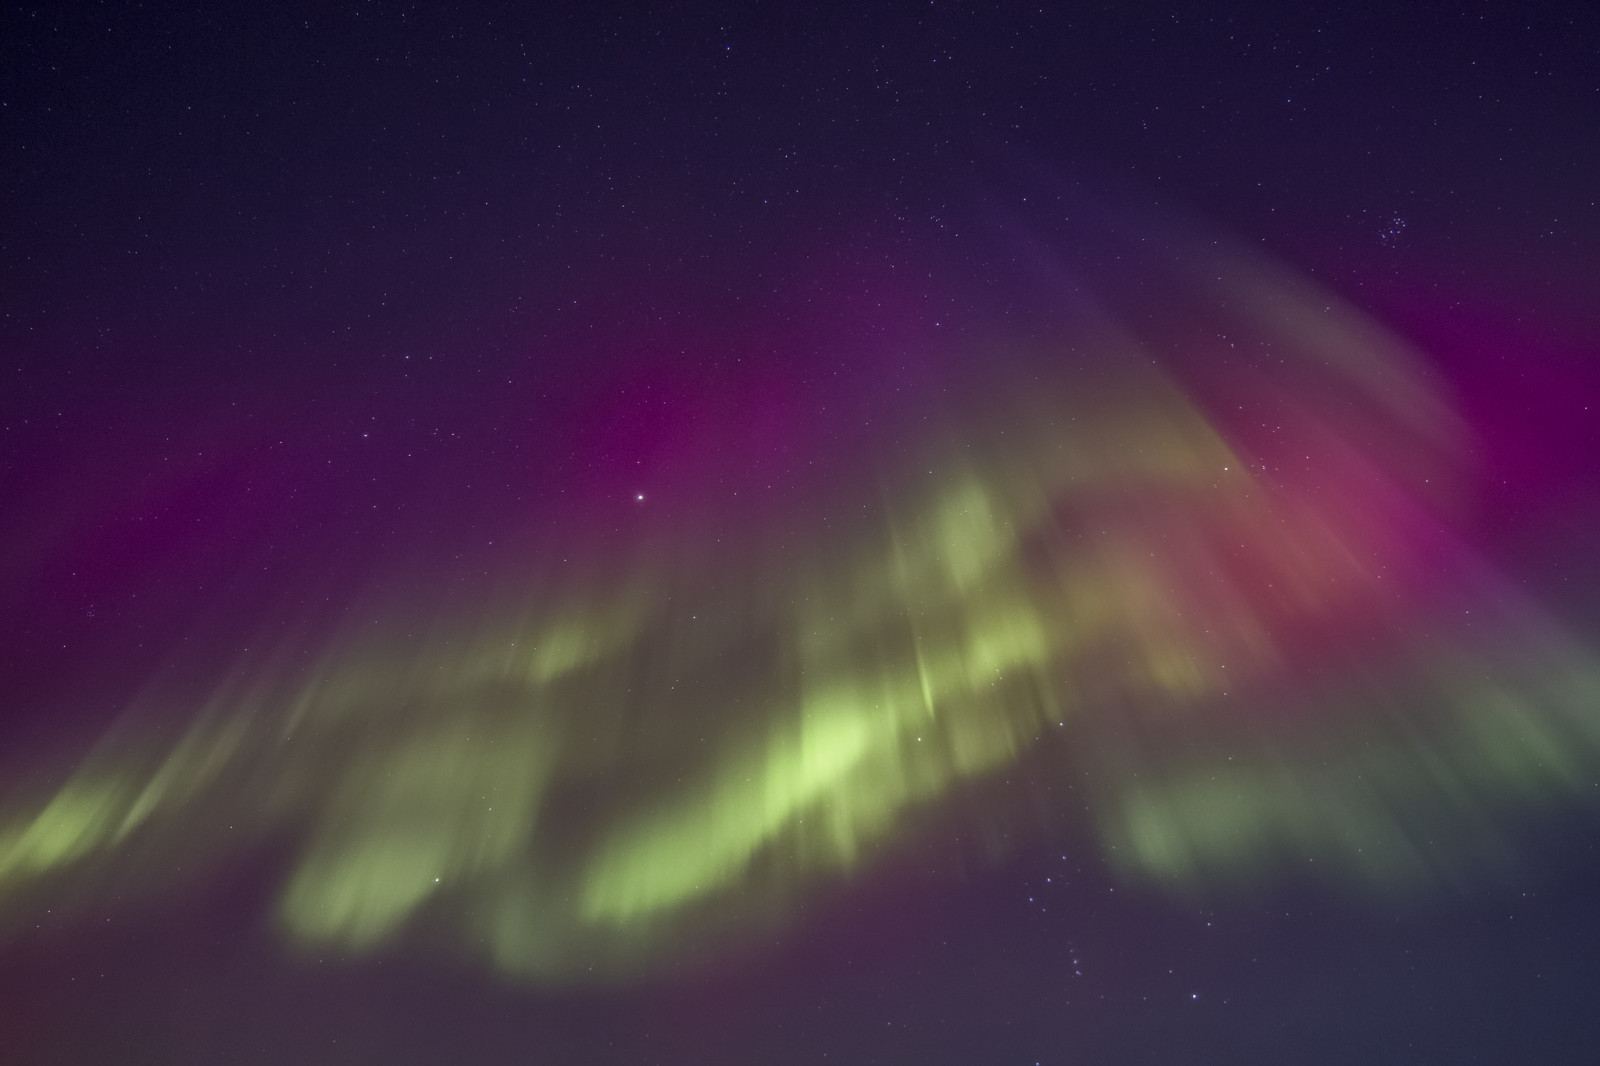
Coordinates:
[1396,804]
[590,772]
[80,818]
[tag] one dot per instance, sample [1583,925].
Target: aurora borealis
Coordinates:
[1088,552]
[533,572]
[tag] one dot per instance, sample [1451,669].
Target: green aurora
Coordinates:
[1093,581]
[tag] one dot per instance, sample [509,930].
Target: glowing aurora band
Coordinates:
[1251,657]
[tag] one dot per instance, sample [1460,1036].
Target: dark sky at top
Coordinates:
[396,178]
[296,294]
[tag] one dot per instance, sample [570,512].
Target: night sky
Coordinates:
[941,534]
